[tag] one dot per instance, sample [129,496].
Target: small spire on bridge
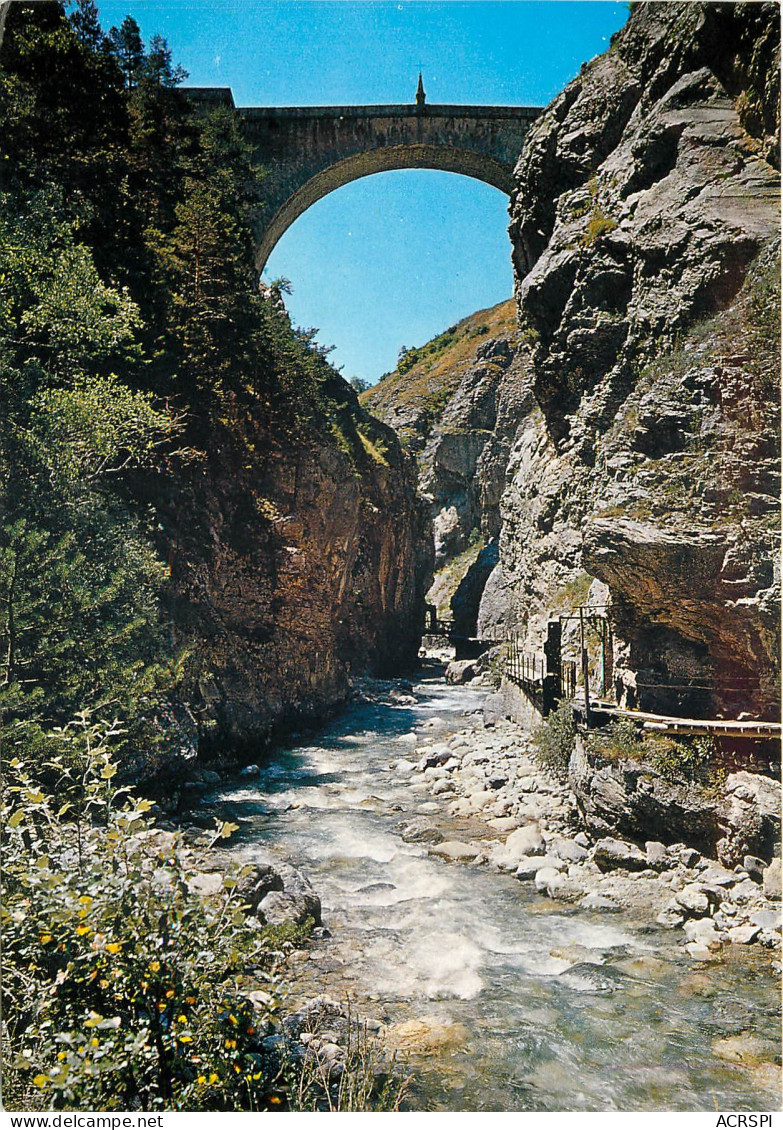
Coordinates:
[421,97]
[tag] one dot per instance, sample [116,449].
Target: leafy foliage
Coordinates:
[676,758]
[554,740]
[133,344]
[121,986]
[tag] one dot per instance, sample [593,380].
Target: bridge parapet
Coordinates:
[308,151]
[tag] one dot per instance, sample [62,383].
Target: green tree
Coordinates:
[127,47]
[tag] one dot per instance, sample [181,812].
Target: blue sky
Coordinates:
[395,258]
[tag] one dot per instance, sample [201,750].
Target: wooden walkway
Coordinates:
[664,723]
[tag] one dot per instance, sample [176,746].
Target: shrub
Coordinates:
[554,740]
[675,758]
[120,984]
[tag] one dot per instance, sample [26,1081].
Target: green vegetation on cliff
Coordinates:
[412,397]
[135,351]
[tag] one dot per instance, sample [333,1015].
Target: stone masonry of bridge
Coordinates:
[307,152]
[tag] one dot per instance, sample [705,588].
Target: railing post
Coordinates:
[585,666]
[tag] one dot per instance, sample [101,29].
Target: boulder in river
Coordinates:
[427,1034]
[610,854]
[296,902]
[524,842]
[454,849]
[461,671]
[256,883]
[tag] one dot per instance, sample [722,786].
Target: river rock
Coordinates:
[524,842]
[403,766]
[671,916]
[657,855]
[296,902]
[611,854]
[454,850]
[772,880]
[702,931]
[717,877]
[567,849]
[504,823]
[699,951]
[544,876]
[589,977]
[564,888]
[206,883]
[594,900]
[743,935]
[461,671]
[767,919]
[744,892]
[208,777]
[745,1049]
[749,817]
[256,883]
[529,865]
[418,832]
[693,900]
[754,867]
[426,1034]
[433,756]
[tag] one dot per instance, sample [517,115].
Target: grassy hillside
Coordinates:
[412,397]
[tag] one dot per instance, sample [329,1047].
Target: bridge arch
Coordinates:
[358,165]
[307,152]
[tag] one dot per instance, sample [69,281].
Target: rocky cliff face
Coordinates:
[645,228]
[296,560]
[455,403]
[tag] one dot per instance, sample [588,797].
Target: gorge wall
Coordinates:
[297,558]
[645,241]
[623,444]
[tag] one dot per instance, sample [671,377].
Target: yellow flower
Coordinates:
[185,1039]
[94,1042]
[44,938]
[41,1080]
[62,1055]
[201,1079]
[114,947]
[154,966]
[82,930]
[231,1043]
[104,984]
[232,1018]
[182,1019]
[169,994]
[274,1100]
[214,1078]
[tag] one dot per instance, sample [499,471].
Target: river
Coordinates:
[484,959]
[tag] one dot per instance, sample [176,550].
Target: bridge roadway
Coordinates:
[308,151]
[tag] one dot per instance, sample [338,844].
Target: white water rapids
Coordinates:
[636,1026]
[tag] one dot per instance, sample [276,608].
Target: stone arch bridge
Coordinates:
[309,151]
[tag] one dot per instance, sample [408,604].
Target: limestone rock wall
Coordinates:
[294,563]
[457,408]
[645,227]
